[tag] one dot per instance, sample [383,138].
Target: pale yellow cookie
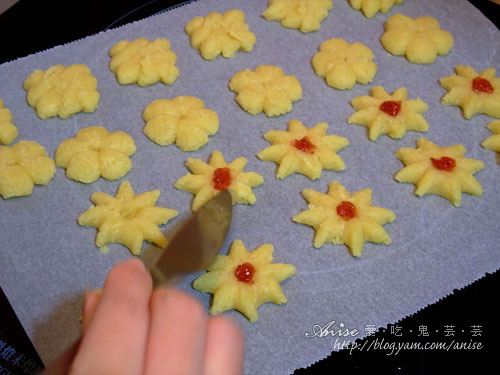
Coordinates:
[183,120]
[342,64]
[23,165]
[439,170]
[244,280]
[372,7]
[473,92]
[96,152]
[303,150]
[342,218]
[62,91]
[127,219]
[420,39]
[493,142]
[143,62]
[305,15]
[218,34]
[8,131]
[266,89]
[207,180]
[388,114]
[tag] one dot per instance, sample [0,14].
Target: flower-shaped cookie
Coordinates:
[341,218]
[183,120]
[208,179]
[371,7]
[62,91]
[305,15]
[143,62]
[127,218]
[420,39]
[388,114]
[244,280]
[8,131]
[473,92]
[96,152]
[266,89]
[343,64]
[303,150]
[23,165]
[439,170]
[218,34]
[493,143]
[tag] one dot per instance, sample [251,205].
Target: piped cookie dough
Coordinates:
[303,150]
[23,165]
[439,170]
[8,131]
[493,142]
[62,91]
[206,180]
[388,114]
[244,280]
[143,62]
[127,219]
[342,64]
[371,7]
[420,39]
[304,15]
[218,34]
[342,218]
[96,152]
[472,91]
[183,120]
[266,89]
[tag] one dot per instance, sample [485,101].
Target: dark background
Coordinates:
[34,25]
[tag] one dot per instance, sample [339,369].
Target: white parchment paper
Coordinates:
[47,260]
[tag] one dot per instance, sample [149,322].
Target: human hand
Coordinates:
[131,329]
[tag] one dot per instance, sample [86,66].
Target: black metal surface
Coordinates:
[34,25]
[17,354]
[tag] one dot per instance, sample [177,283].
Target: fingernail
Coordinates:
[136,263]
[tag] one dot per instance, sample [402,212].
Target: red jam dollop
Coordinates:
[346,210]
[222,178]
[482,85]
[304,145]
[444,164]
[244,273]
[391,107]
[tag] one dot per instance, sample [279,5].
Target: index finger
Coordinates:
[115,340]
